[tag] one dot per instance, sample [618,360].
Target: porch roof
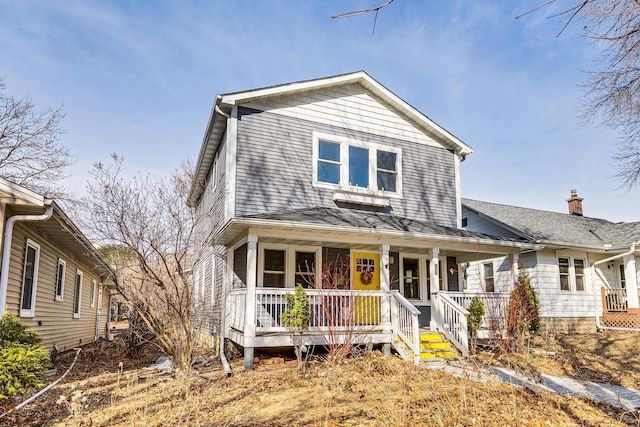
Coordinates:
[359,226]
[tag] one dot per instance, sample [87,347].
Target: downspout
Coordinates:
[223,357]
[631,251]
[6,249]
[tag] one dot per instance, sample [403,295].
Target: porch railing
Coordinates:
[451,320]
[614,300]
[338,310]
[237,301]
[495,304]
[406,327]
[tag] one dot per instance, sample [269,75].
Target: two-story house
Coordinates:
[343,187]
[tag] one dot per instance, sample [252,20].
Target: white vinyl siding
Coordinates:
[61,270]
[30,279]
[77,295]
[275,170]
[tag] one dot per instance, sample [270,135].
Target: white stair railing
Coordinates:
[406,327]
[451,321]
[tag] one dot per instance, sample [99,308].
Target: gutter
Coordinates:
[6,249]
[631,251]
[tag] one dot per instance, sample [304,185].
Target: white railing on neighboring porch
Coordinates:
[406,328]
[451,320]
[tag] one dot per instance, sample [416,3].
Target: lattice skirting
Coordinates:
[621,320]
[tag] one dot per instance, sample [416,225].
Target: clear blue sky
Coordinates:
[139,79]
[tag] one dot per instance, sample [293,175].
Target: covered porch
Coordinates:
[369,278]
[619,304]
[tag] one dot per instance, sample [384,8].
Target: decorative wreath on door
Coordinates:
[366,277]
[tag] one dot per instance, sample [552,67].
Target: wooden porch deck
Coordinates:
[615,310]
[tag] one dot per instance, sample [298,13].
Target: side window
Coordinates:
[61,269]
[30,280]
[578,266]
[489,285]
[305,264]
[77,295]
[623,280]
[563,265]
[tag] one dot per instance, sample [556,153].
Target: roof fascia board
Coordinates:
[22,193]
[256,223]
[368,82]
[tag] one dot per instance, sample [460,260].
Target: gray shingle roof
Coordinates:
[371,220]
[558,228]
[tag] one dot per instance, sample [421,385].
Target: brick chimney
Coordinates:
[575,203]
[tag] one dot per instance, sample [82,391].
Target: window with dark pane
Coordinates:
[359,167]
[489,285]
[563,265]
[411,278]
[305,269]
[328,162]
[578,265]
[386,171]
[28,280]
[274,272]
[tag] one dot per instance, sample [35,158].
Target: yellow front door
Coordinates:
[366,277]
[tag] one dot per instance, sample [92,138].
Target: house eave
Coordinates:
[236,226]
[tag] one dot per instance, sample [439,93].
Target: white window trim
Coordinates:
[94,286]
[31,312]
[572,273]
[289,261]
[423,261]
[343,185]
[483,283]
[63,263]
[77,293]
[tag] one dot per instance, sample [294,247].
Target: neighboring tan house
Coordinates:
[51,277]
[585,276]
[338,171]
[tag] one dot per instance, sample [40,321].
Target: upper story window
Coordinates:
[30,280]
[357,166]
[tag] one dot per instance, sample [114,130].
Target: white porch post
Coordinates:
[631,283]
[250,309]
[515,258]
[434,272]
[385,286]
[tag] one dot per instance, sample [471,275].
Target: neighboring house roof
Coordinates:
[349,221]
[59,228]
[224,103]
[558,229]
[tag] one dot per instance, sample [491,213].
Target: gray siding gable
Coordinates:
[274,169]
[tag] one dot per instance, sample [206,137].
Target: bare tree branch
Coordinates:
[30,152]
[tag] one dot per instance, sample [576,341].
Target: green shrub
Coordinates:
[296,318]
[11,330]
[476,311]
[23,361]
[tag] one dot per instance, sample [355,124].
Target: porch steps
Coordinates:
[433,346]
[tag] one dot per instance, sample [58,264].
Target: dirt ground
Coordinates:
[107,389]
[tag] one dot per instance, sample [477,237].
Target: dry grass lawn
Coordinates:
[367,390]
